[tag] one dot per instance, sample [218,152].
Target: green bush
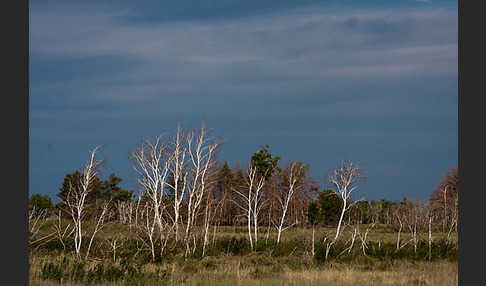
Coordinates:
[78,272]
[285,248]
[50,271]
[96,274]
[263,245]
[233,245]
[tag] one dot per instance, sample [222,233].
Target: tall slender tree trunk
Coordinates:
[340,222]
[313,235]
[430,238]
[249,228]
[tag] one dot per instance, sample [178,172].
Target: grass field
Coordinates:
[229,261]
[244,271]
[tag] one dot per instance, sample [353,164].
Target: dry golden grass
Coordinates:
[260,269]
[234,270]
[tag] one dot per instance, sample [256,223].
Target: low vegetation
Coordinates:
[229,261]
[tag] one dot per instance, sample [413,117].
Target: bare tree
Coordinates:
[258,203]
[151,164]
[353,234]
[115,243]
[444,196]
[416,220]
[36,220]
[364,238]
[210,211]
[177,170]
[252,200]
[201,161]
[344,178]
[76,198]
[398,212]
[124,210]
[285,196]
[146,228]
[61,232]
[430,217]
[100,220]
[453,224]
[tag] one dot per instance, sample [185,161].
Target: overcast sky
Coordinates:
[320,81]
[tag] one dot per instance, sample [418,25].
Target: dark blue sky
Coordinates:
[321,81]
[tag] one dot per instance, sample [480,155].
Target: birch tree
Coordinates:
[416,220]
[61,232]
[151,164]
[76,198]
[453,224]
[177,170]
[344,178]
[210,211]
[252,200]
[201,151]
[285,196]
[146,227]
[398,214]
[100,221]
[258,202]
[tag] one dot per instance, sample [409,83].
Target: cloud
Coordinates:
[284,54]
[296,39]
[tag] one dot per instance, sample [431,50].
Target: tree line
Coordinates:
[186,194]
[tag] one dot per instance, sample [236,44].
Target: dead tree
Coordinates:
[177,170]
[453,224]
[146,228]
[364,238]
[115,242]
[258,203]
[76,198]
[151,164]
[36,220]
[399,219]
[444,196]
[353,234]
[61,232]
[430,216]
[445,207]
[285,196]
[252,200]
[416,220]
[124,210]
[100,221]
[201,162]
[344,178]
[210,211]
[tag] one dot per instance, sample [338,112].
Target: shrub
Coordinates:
[78,272]
[285,248]
[50,271]
[233,245]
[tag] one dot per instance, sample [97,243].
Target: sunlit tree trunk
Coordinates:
[201,164]
[76,198]
[99,225]
[286,197]
[343,178]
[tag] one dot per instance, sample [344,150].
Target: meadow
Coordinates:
[230,261]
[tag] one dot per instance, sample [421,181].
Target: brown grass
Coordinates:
[260,269]
[233,270]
